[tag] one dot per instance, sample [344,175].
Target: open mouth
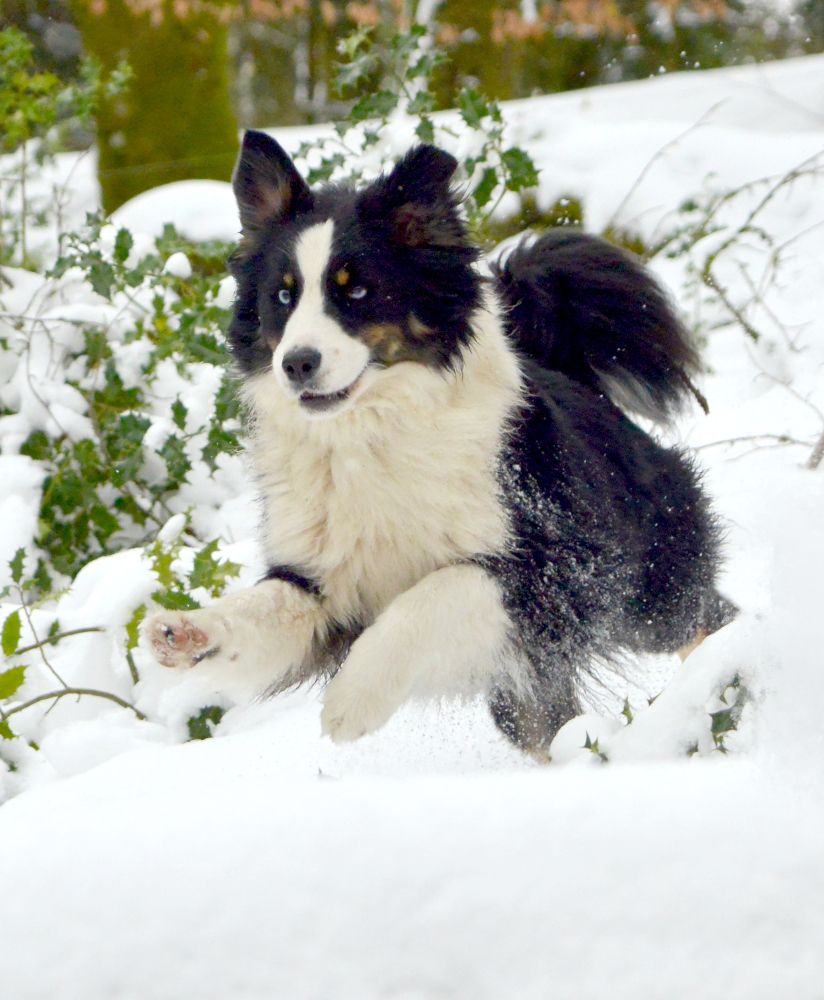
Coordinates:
[317,402]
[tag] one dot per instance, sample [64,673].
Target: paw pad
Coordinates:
[179,642]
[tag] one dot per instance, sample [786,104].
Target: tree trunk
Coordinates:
[175,121]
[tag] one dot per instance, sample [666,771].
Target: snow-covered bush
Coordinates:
[117,400]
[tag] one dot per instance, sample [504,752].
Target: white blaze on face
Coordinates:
[343,357]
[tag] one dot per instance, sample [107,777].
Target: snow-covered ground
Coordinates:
[430,860]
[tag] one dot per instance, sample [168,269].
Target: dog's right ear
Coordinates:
[267,186]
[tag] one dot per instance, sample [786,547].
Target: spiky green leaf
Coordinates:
[11,633]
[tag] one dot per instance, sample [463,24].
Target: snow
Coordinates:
[20,482]
[430,859]
[199,210]
[567,883]
[179,266]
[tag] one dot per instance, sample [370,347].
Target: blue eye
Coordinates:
[285,296]
[358,292]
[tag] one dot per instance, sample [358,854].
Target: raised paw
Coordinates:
[350,711]
[177,641]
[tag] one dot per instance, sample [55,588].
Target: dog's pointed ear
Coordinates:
[267,186]
[416,201]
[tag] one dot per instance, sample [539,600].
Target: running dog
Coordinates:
[455,497]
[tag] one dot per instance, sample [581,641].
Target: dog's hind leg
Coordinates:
[685,651]
[445,635]
[531,719]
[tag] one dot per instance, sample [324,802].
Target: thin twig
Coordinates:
[790,389]
[777,438]
[654,159]
[38,643]
[51,640]
[818,453]
[737,314]
[791,175]
[80,692]
[818,450]
[132,666]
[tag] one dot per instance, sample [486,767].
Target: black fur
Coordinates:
[402,235]
[614,547]
[290,575]
[581,306]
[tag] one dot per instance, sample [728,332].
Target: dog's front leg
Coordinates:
[445,635]
[263,634]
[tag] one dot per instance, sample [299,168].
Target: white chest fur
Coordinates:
[403,483]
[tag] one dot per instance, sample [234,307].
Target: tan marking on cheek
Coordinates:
[289,279]
[393,349]
[372,336]
[417,328]
[386,336]
[382,334]
[342,277]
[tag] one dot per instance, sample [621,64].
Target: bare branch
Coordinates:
[79,692]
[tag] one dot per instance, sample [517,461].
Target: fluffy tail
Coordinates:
[578,305]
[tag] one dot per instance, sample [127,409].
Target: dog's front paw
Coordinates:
[177,640]
[351,711]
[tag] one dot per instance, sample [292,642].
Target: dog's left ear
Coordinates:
[416,201]
[267,186]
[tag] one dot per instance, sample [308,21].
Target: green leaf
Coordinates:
[592,746]
[123,244]
[105,522]
[421,102]
[6,732]
[162,564]
[425,130]
[378,105]
[520,169]
[724,721]
[472,106]
[127,505]
[212,573]
[203,571]
[133,627]
[203,725]
[41,580]
[11,680]
[175,600]
[485,186]
[11,633]
[177,461]
[16,565]
[426,65]
[101,277]
[353,42]
[179,413]
[357,71]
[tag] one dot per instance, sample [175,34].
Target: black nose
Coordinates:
[301,364]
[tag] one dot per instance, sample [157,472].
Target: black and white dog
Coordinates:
[454,499]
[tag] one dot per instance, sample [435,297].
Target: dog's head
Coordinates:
[336,285]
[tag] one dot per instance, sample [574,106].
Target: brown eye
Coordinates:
[358,292]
